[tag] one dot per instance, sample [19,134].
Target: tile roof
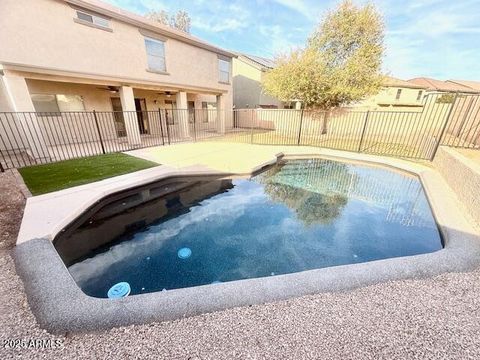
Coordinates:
[439,85]
[263,62]
[391,81]
[475,85]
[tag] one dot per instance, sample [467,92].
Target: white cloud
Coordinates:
[302,7]
[223,25]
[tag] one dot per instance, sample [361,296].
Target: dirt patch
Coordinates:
[11,209]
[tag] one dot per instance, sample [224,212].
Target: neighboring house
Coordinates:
[459,101]
[84,55]
[248,71]
[474,85]
[396,94]
[439,86]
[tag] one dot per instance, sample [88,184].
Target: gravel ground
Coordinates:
[416,319]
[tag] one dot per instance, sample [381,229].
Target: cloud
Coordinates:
[302,7]
[438,38]
[223,25]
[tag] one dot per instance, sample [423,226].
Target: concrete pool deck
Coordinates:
[61,306]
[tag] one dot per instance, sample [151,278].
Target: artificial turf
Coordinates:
[41,179]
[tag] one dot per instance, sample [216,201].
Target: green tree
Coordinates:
[180,20]
[318,193]
[340,64]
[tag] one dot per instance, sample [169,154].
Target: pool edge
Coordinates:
[60,306]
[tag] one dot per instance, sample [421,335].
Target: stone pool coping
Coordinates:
[60,306]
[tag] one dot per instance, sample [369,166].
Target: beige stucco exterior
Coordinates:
[247,89]
[46,49]
[395,95]
[54,43]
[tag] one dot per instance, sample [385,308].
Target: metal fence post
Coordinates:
[437,145]
[166,125]
[251,127]
[300,128]
[363,132]
[161,125]
[194,127]
[98,130]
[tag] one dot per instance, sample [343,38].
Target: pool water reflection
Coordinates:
[298,215]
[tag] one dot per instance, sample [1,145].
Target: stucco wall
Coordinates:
[247,90]
[80,127]
[44,34]
[387,97]
[463,176]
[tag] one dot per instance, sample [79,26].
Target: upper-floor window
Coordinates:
[94,19]
[419,96]
[399,93]
[155,54]
[223,70]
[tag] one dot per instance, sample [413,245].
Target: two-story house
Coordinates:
[248,71]
[64,56]
[395,95]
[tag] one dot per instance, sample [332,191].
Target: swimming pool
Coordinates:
[297,215]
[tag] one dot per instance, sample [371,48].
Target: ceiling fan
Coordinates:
[166,93]
[110,88]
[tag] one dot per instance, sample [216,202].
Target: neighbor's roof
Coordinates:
[395,82]
[439,85]
[144,23]
[261,62]
[474,85]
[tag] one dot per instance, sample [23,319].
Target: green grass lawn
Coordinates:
[41,179]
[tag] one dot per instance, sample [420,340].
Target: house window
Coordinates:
[399,93]
[155,54]
[419,96]
[57,103]
[93,19]
[223,70]
[208,111]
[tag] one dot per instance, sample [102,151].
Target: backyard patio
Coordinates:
[422,318]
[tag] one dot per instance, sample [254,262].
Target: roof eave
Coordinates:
[148,25]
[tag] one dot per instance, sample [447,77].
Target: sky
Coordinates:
[432,38]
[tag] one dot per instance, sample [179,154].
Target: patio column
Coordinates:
[30,134]
[130,117]
[298,105]
[182,112]
[221,112]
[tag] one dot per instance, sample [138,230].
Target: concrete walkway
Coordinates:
[241,158]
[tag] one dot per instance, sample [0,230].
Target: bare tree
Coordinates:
[160,16]
[180,20]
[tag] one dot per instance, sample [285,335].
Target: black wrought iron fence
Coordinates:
[36,138]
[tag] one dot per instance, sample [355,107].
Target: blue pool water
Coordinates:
[298,215]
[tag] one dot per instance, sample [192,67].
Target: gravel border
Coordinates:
[61,306]
[410,319]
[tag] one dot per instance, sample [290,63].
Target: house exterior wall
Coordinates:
[386,100]
[247,89]
[54,40]
[80,127]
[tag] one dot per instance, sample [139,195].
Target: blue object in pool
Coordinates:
[122,289]
[184,253]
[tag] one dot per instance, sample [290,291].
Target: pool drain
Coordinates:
[184,253]
[122,289]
